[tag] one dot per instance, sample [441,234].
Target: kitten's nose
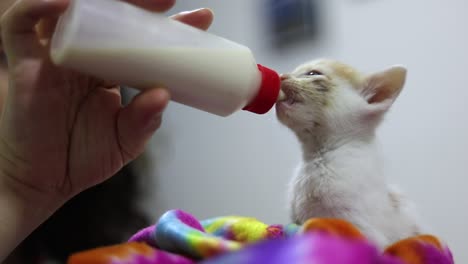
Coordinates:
[284,76]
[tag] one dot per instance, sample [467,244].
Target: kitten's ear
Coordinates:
[382,88]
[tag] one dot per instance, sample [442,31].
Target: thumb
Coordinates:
[139,120]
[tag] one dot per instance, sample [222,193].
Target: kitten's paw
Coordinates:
[422,249]
[332,226]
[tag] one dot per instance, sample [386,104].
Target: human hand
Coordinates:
[62,132]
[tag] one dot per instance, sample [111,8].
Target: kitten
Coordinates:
[334,111]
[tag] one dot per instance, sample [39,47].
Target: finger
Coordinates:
[200,18]
[139,120]
[46,27]
[153,5]
[18,25]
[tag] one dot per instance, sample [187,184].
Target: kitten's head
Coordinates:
[330,98]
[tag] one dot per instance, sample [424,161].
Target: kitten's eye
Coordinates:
[314,73]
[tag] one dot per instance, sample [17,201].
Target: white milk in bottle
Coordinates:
[120,42]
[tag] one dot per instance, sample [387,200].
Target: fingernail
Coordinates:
[192,11]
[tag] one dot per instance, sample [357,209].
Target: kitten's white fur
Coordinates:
[334,112]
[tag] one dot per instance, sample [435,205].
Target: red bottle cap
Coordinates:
[268,92]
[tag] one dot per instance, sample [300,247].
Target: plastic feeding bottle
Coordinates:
[120,42]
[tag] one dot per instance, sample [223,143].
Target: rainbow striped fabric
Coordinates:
[179,238]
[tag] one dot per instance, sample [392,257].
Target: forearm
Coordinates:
[21,211]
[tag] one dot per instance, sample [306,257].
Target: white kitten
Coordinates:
[334,111]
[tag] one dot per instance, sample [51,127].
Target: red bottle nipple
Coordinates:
[268,92]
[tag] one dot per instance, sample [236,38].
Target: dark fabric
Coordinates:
[103,215]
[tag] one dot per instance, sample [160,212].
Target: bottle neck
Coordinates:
[267,93]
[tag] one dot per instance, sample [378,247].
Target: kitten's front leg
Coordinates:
[293,210]
[300,203]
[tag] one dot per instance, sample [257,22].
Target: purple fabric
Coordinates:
[189,220]
[145,235]
[307,249]
[433,255]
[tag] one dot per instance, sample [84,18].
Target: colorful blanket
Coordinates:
[179,238]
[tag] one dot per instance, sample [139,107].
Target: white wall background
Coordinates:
[212,166]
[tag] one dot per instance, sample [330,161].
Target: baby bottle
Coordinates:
[117,41]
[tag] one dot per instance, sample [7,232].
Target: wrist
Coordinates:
[22,209]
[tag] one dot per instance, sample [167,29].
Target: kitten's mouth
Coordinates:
[290,96]
[290,100]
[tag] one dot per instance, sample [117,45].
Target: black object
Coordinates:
[293,20]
